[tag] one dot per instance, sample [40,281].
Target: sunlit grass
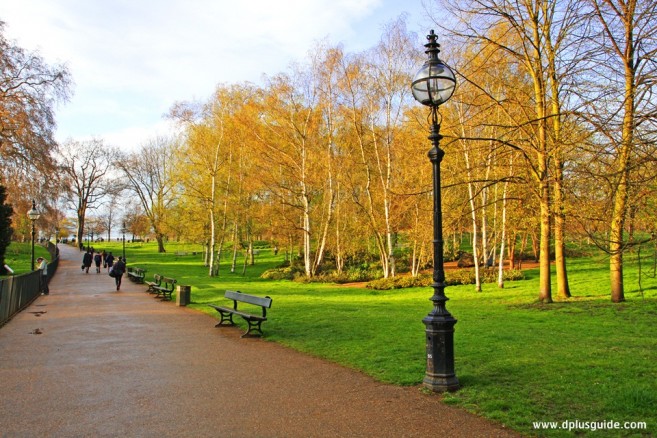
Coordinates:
[19,256]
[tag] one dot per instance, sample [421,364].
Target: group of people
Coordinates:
[115,270]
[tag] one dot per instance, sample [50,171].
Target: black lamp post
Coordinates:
[433,85]
[123,231]
[33,214]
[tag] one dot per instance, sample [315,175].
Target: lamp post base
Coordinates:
[441,383]
[440,375]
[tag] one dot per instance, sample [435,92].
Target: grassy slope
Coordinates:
[18,256]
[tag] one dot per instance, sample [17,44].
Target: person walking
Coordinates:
[97,260]
[86,261]
[117,270]
[43,284]
[109,261]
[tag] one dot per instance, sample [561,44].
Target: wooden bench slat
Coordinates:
[250,299]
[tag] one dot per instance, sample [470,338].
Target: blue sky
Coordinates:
[132,59]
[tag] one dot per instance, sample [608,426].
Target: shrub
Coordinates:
[282,273]
[400,282]
[352,275]
[452,278]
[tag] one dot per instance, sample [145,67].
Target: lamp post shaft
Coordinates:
[33,214]
[33,234]
[440,375]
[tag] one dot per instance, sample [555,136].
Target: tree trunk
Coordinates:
[545,281]
[212,248]
[500,275]
[616,240]
[339,257]
[233,263]
[160,243]
[80,233]
[616,246]
[563,288]
[512,250]
[473,212]
[307,256]
[416,255]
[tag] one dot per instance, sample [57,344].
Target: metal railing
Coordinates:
[18,291]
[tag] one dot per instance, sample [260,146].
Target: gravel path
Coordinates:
[90,361]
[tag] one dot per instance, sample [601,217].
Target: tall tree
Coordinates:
[628,71]
[202,154]
[212,134]
[85,166]
[374,95]
[291,147]
[150,173]
[29,91]
[391,63]
[533,35]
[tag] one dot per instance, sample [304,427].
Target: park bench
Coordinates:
[157,282]
[253,320]
[136,274]
[165,289]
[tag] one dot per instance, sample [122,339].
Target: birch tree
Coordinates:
[290,143]
[533,35]
[207,157]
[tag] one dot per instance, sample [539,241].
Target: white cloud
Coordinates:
[132,59]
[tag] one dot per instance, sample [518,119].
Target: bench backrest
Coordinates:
[169,281]
[157,278]
[250,299]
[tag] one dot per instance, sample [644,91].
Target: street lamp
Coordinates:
[123,231]
[433,85]
[33,214]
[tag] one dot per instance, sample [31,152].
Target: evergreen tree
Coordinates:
[5,227]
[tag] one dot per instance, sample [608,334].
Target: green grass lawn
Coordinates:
[19,256]
[518,361]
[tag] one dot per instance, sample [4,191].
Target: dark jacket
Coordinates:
[86,259]
[119,268]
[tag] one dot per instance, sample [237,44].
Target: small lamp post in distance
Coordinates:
[432,86]
[33,214]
